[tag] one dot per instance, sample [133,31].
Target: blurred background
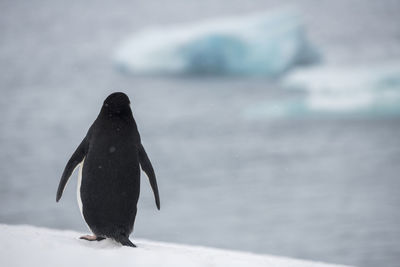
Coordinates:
[273,126]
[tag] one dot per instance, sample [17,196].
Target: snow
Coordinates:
[265,43]
[33,246]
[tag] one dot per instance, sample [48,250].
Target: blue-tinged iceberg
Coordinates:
[267,44]
[338,91]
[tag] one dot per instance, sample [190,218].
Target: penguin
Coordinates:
[109,158]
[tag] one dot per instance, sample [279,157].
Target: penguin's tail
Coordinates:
[124,240]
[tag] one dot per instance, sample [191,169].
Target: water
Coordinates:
[314,188]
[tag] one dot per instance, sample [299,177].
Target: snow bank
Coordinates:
[352,91]
[258,44]
[32,246]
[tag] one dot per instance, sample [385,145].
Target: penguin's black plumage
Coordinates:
[110,157]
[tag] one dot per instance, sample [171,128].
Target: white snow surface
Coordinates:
[32,246]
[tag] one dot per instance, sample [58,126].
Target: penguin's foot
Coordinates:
[92,238]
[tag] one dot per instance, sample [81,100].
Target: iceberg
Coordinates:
[344,91]
[265,44]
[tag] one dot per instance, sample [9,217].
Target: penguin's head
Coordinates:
[116,103]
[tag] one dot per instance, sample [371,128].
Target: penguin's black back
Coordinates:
[110,183]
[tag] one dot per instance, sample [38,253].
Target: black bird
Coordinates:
[110,157]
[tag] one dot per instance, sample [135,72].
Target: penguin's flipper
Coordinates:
[75,159]
[148,169]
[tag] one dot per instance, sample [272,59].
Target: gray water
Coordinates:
[319,189]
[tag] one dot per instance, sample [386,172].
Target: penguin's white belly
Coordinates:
[78,193]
